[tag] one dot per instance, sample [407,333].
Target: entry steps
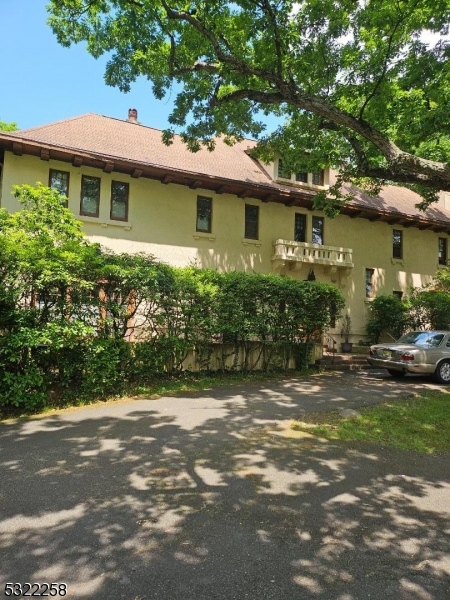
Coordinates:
[343,362]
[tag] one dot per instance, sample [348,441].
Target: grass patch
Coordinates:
[421,424]
[167,386]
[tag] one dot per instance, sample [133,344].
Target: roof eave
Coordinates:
[287,195]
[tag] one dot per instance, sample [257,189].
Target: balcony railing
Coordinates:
[295,254]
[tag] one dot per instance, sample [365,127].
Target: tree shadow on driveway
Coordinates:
[201,497]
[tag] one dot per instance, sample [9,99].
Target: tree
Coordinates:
[8,126]
[357,83]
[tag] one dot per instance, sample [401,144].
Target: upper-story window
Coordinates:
[442,251]
[397,243]
[120,192]
[301,177]
[204,214]
[283,173]
[316,178]
[251,222]
[59,181]
[90,196]
[317,230]
[300,228]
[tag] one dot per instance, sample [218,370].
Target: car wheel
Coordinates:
[442,373]
[396,374]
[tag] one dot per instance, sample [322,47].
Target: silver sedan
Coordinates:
[424,352]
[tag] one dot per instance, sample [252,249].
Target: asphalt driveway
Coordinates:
[211,496]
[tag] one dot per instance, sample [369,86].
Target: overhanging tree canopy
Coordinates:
[356,81]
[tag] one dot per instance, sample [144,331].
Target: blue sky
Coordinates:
[43,82]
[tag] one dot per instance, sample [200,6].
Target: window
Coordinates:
[282,171]
[251,221]
[399,294]
[119,200]
[204,214]
[317,230]
[59,181]
[300,228]
[442,252]
[370,287]
[317,178]
[90,196]
[397,243]
[301,177]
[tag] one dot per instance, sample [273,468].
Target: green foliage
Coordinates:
[8,126]
[442,280]
[388,314]
[423,309]
[68,307]
[355,83]
[429,310]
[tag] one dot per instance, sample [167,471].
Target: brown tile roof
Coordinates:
[119,139]
[114,139]
[397,200]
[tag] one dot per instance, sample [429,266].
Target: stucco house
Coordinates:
[225,210]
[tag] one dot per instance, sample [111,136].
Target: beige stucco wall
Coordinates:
[162,221]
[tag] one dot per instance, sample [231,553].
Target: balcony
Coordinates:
[287,255]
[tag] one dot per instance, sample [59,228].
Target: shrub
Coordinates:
[388,314]
[429,310]
[66,305]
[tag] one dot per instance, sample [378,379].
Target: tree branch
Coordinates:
[423,170]
[363,163]
[240,65]
[385,62]
[267,8]
[199,65]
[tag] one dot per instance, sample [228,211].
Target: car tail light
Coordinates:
[407,356]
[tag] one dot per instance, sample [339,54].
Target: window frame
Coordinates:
[50,172]
[303,217]
[86,214]
[397,248]
[280,170]
[322,219]
[444,259]
[322,177]
[252,207]
[197,228]
[371,282]
[302,177]
[127,186]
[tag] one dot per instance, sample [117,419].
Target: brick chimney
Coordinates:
[132,115]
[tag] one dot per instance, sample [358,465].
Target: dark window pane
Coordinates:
[204,211]
[442,251]
[282,171]
[317,178]
[251,221]
[369,283]
[301,177]
[90,196]
[317,230]
[59,180]
[300,228]
[397,243]
[119,200]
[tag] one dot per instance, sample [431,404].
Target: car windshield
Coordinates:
[428,339]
